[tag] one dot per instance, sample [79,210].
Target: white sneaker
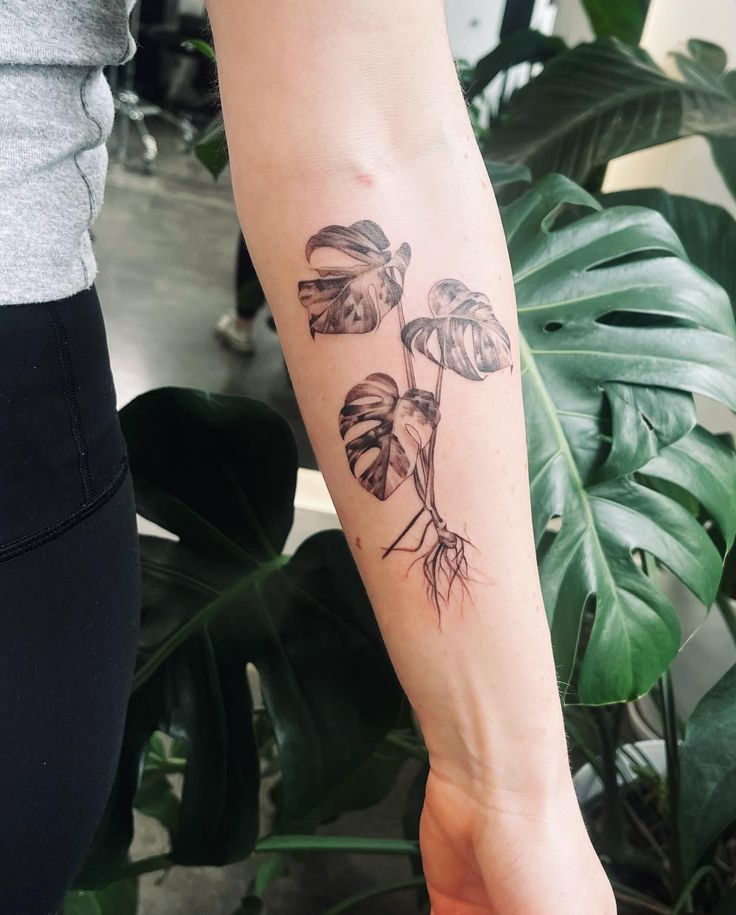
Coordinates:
[236,333]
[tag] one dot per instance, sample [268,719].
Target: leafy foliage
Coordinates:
[219,473]
[663,817]
[706,64]
[602,100]
[211,149]
[120,898]
[526,46]
[623,19]
[707,232]
[708,771]
[608,307]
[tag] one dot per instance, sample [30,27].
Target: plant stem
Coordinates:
[431,501]
[671,741]
[409,526]
[352,901]
[411,382]
[295,844]
[438,386]
[684,898]
[613,822]
[203,616]
[408,358]
[349,844]
[725,605]
[143,866]
[633,897]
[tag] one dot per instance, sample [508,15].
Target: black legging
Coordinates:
[69,594]
[248,292]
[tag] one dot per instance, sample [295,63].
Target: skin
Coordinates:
[341,111]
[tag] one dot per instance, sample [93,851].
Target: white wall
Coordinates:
[473,26]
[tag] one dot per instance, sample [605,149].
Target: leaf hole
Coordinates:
[640,319]
[629,257]
[548,536]
[551,326]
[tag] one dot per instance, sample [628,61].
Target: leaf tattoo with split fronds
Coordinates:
[353,296]
[464,335]
[376,421]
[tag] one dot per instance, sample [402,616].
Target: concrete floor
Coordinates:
[165,246]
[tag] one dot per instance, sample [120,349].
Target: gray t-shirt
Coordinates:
[55,114]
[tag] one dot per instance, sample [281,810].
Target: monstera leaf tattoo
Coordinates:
[464,335]
[390,437]
[398,427]
[351,297]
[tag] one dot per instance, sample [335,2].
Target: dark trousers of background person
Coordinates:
[248,292]
[69,594]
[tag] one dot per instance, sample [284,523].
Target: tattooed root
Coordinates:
[444,563]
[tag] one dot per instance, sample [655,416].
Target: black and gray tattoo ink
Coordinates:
[390,436]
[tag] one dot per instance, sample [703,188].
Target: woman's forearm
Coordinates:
[349,114]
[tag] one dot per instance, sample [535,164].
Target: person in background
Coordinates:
[235,329]
[364,201]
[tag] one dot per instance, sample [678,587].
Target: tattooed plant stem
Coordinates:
[422,464]
[408,357]
[438,386]
[432,501]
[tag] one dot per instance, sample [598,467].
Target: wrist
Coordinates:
[526,771]
[484,747]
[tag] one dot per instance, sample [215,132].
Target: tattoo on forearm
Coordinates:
[390,436]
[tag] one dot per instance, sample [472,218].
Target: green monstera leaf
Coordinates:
[603,100]
[707,803]
[119,898]
[219,473]
[352,296]
[617,330]
[705,63]
[707,232]
[211,149]
[524,46]
[623,19]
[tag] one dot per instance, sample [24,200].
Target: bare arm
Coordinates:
[348,114]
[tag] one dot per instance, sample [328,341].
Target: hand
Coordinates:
[498,853]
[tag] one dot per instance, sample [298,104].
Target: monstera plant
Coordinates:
[618,331]
[607,98]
